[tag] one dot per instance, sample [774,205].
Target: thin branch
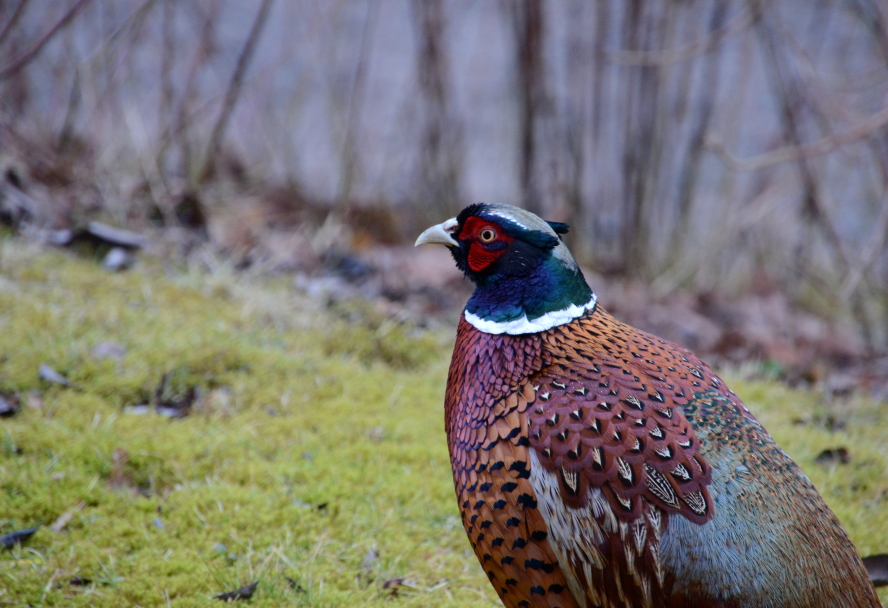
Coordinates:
[350,159]
[866,128]
[29,56]
[234,89]
[134,20]
[668,57]
[873,248]
[19,10]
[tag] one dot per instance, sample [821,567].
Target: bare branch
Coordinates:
[873,248]
[29,56]
[19,10]
[668,57]
[132,22]
[234,89]
[867,128]
[350,157]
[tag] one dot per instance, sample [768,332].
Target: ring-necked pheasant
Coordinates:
[597,465]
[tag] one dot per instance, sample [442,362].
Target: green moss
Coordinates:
[295,409]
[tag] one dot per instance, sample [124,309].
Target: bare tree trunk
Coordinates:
[576,128]
[233,92]
[700,117]
[527,18]
[350,157]
[440,167]
[640,140]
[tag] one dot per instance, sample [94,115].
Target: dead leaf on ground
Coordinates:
[119,478]
[877,567]
[17,537]
[34,400]
[10,404]
[79,581]
[65,518]
[244,593]
[833,456]
[368,566]
[97,234]
[393,585]
[174,395]
[294,585]
[109,350]
[48,374]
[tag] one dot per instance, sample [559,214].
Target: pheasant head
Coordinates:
[525,278]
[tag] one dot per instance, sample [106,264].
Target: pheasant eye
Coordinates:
[487,235]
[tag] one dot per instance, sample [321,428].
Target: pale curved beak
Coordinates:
[440,234]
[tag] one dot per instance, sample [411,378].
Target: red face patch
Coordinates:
[486,242]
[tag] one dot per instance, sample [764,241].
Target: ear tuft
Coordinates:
[559,227]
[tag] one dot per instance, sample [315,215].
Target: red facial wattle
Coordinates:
[483,251]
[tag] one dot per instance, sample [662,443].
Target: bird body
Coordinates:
[596,465]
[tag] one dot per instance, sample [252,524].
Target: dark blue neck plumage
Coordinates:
[546,287]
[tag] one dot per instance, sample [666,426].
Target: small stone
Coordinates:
[61,238]
[139,410]
[116,236]
[118,258]
[34,400]
[50,375]
[109,350]
[9,405]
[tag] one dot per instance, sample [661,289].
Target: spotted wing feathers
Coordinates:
[609,417]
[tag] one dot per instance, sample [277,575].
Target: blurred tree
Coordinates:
[439,171]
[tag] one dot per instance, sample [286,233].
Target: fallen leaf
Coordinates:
[173,396]
[109,350]
[877,567]
[119,478]
[833,455]
[244,593]
[9,404]
[48,374]
[109,235]
[294,585]
[79,581]
[392,585]
[65,518]
[34,400]
[370,563]
[18,537]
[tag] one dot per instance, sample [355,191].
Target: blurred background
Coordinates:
[723,163]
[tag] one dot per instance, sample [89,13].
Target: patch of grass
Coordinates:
[315,440]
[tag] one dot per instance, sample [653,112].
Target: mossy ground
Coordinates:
[298,409]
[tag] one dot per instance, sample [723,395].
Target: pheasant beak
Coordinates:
[440,234]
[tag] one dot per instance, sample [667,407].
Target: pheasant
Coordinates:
[598,465]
